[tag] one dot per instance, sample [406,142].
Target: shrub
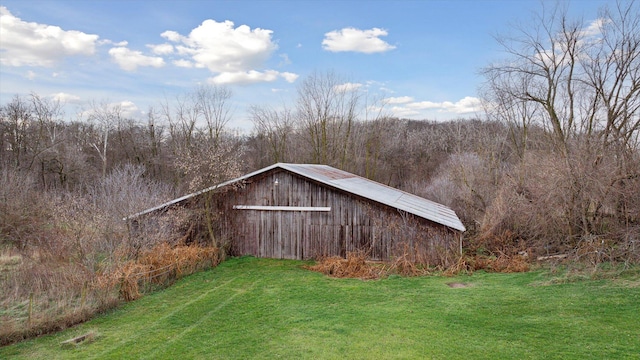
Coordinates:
[354,266]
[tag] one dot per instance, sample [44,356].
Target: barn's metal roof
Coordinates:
[350,183]
[377,192]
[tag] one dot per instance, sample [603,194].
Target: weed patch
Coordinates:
[500,264]
[354,266]
[159,266]
[63,295]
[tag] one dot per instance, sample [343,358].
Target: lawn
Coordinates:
[257,308]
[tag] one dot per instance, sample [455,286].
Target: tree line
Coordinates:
[553,168]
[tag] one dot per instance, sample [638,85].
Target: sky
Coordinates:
[423,59]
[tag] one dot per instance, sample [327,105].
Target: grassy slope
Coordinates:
[255,308]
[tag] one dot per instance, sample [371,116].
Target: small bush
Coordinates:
[159,266]
[354,266]
[502,264]
[404,266]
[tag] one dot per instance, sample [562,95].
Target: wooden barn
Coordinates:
[303,211]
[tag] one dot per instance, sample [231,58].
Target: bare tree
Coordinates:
[15,118]
[542,71]
[48,113]
[107,117]
[612,69]
[155,136]
[582,84]
[197,123]
[276,126]
[214,108]
[327,108]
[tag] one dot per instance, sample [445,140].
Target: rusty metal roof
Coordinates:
[377,192]
[350,183]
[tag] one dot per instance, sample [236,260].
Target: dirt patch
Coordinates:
[457,285]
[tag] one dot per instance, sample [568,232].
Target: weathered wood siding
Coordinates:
[352,224]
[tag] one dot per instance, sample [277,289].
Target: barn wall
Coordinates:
[352,224]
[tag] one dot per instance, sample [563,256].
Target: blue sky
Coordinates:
[423,57]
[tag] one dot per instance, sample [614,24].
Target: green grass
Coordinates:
[257,308]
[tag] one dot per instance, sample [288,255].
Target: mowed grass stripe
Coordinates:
[160,325]
[197,324]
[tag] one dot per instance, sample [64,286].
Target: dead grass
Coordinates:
[161,266]
[357,266]
[60,295]
[45,323]
[354,266]
[461,266]
[404,266]
[8,261]
[500,264]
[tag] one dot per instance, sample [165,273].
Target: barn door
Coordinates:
[282,232]
[281,235]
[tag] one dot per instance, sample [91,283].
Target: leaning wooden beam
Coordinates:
[551,257]
[79,339]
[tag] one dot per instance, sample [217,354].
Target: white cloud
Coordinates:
[128,108]
[251,76]
[129,60]
[172,36]
[125,108]
[347,87]
[32,44]
[183,63]
[161,49]
[401,112]
[595,27]
[289,77]
[398,100]
[404,106]
[352,39]
[235,55]
[222,48]
[464,106]
[426,105]
[31,75]
[113,43]
[66,98]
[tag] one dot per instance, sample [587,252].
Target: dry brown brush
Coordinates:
[407,263]
[67,256]
[502,263]
[157,267]
[586,210]
[61,294]
[354,266]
